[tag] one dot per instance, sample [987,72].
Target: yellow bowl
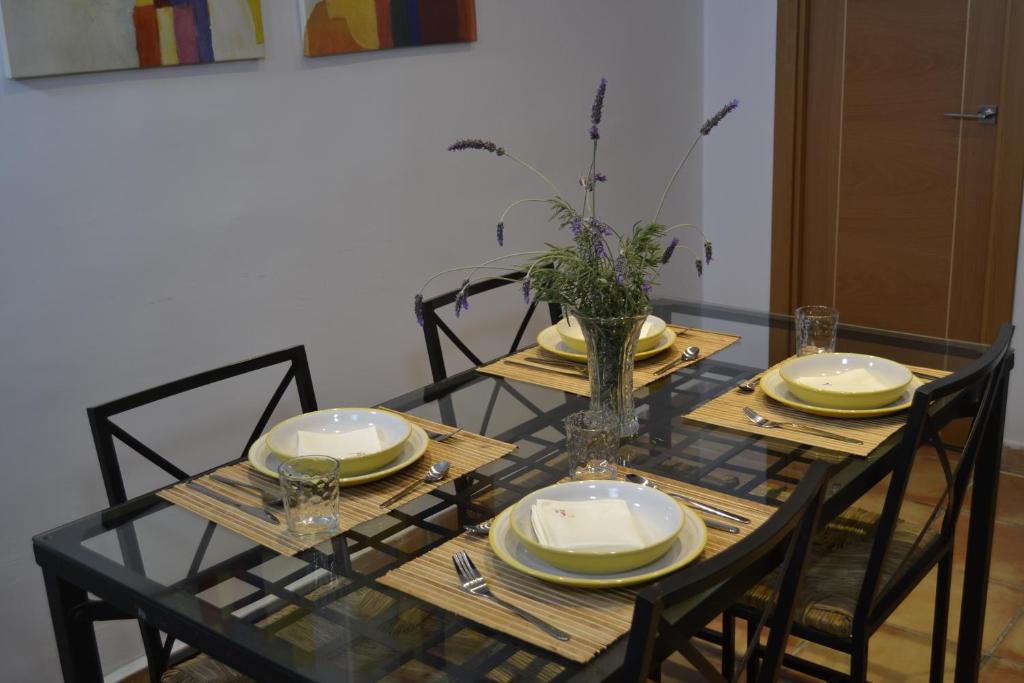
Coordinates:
[392,430]
[849,381]
[656,513]
[572,334]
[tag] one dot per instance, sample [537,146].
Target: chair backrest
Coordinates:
[975,393]
[669,612]
[433,324]
[105,431]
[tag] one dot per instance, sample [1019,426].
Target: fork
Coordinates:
[475,584]
[441,438]
[762,421]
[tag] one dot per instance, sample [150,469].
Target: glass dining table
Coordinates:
[322,615]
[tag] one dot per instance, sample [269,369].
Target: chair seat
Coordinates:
[202,669]
[835,571]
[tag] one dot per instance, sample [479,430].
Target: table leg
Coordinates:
[979,544]
[76,638]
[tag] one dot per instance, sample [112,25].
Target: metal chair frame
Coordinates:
[783,540]
[105,431]
[433,324]
[978,393]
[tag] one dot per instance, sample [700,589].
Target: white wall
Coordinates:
[160,223]
[1015,407]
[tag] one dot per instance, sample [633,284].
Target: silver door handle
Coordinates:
[986,114]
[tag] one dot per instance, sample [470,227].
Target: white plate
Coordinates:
[552,342]
[687,546]
[265,462]
[774,386]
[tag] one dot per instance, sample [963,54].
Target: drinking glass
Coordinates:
[592,439]
[816,329]
[309,486]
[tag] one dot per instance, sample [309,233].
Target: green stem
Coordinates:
[672,180]
[517,203]
[480,266]
[543,177]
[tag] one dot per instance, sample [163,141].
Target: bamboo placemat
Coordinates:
[594,618]
[727,411]
[465,451]
[709,342]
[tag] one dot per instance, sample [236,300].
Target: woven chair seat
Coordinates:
[202,669]
[835,571]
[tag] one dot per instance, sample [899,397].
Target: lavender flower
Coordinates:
[595,111]
[598,248]
[473,143]
[620,269]
[707,251]
[462,298]
[647,287]
[669,249]
[576,226]
[600,177]
[417,306]
[717,118]
[594,134]
[700,267]
[526,291]
[501,234]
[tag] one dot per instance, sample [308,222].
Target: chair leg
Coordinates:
[859,660]
[751,643]
[941,621]
[728,644]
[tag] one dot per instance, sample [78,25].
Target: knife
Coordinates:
[560,371]
[709,509]
[250,509]
[729,528]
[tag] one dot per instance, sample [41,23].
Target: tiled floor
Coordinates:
[900,650]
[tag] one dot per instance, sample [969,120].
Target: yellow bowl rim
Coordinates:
[847,393]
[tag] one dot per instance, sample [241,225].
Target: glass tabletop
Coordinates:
[323,616]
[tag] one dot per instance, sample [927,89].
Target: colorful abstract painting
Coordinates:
[337,26]
[49,37]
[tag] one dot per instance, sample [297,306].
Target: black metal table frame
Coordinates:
[122,592]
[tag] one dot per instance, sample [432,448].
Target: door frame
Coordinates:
[791,68]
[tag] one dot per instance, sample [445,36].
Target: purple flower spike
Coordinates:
[599,248]
[669,249]
[501,234]
[417,305]
[526,291]
[462,298]
[601,227]
[700,267]
[576,226]
[600,177]
[620,269]
[473,143]
[647,287]
[707,251]
[596,110]
[594,134]
[717,118]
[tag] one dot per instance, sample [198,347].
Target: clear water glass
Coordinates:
[816,328]
[309,486]
[592,440]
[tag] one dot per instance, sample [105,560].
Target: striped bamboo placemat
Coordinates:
[465,451]
[594,618]
[513,366]
[727,411]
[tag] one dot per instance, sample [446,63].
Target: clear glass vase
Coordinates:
[611,347]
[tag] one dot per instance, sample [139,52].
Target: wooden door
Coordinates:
[898,216]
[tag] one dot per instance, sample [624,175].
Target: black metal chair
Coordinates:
[106,432]
[863,564]
[433,324]
[670,612]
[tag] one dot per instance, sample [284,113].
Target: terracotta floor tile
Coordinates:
[1007,553]
[997,670]
[894,655]
[1012,646]
[927,479]
[915,614]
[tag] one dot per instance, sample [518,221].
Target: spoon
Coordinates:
[749,385]
[638,479]
[268,498]
[436,472]
[690,353]
[481,528]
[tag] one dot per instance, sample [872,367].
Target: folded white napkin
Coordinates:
[854,380]
[346,445]
[592,525]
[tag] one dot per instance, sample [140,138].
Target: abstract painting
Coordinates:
[50,37]
[337,26]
